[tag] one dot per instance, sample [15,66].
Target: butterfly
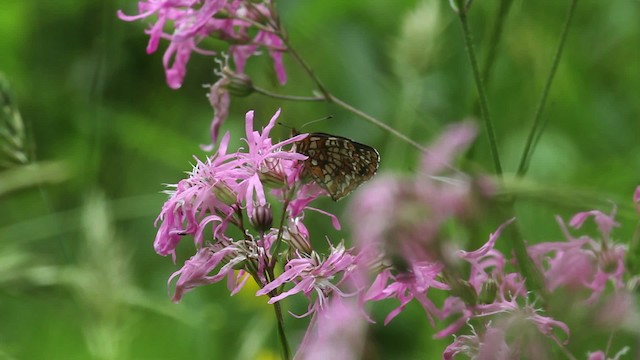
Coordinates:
[338,164]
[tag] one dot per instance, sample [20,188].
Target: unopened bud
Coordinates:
[297,238]
[225,194]
[262,218]
[609,260]
[488,292]
[237,84]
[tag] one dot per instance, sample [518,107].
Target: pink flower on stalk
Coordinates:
[195,271]
[583,263]
[198,200]
[636,199]
[223,181]
[264,158]
[193,21]
[487,264]
[311,274]
[272,42]
[414,283]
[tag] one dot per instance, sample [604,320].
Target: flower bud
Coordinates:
[225,194]
[488,292]
[237,84]
[297,237]
[261,218]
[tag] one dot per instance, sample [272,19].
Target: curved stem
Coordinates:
[376,122]
[331,98]
[305,66]
[484,108]
[288,97]
[537,120]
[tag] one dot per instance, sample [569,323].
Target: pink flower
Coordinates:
[491,346]
[311,274]
[192,21]
[454,141]
[195,271]
[336,333]
[227,188]
[220,100]
[406,286]
[605,222]
[185,213]
[530,340]
[583,262]
[262,158]
[403,217]
[600,355]
[636,199]
[272,43]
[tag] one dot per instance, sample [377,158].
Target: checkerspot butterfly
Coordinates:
[337,164]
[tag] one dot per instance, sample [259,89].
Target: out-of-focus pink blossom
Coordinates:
[337,333]
[600,355]
[404,216]
[454,140]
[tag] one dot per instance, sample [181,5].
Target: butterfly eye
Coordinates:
[337,164]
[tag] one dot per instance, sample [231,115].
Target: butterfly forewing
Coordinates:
[338,164]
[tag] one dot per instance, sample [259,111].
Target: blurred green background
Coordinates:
[79,278]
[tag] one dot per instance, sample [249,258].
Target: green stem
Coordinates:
[288,97]
[537,122]
[285,38]
[531,274]
[496,37]
[284,344]
[375,121]
[331,98]
[484,108]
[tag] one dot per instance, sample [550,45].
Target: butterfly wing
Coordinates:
[338,164]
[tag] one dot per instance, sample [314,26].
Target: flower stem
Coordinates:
[284,344]
[537,120]
[484,108]
[288,97]
[285,38]
[375,121]
[328,97]
[496,37]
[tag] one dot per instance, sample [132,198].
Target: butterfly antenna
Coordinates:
[316,120]
[285,125]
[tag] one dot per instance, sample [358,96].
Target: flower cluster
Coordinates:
[246,26]
[229,187]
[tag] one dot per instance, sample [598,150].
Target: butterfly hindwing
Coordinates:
[338,164]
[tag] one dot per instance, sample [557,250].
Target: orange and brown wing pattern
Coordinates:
[338,164]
